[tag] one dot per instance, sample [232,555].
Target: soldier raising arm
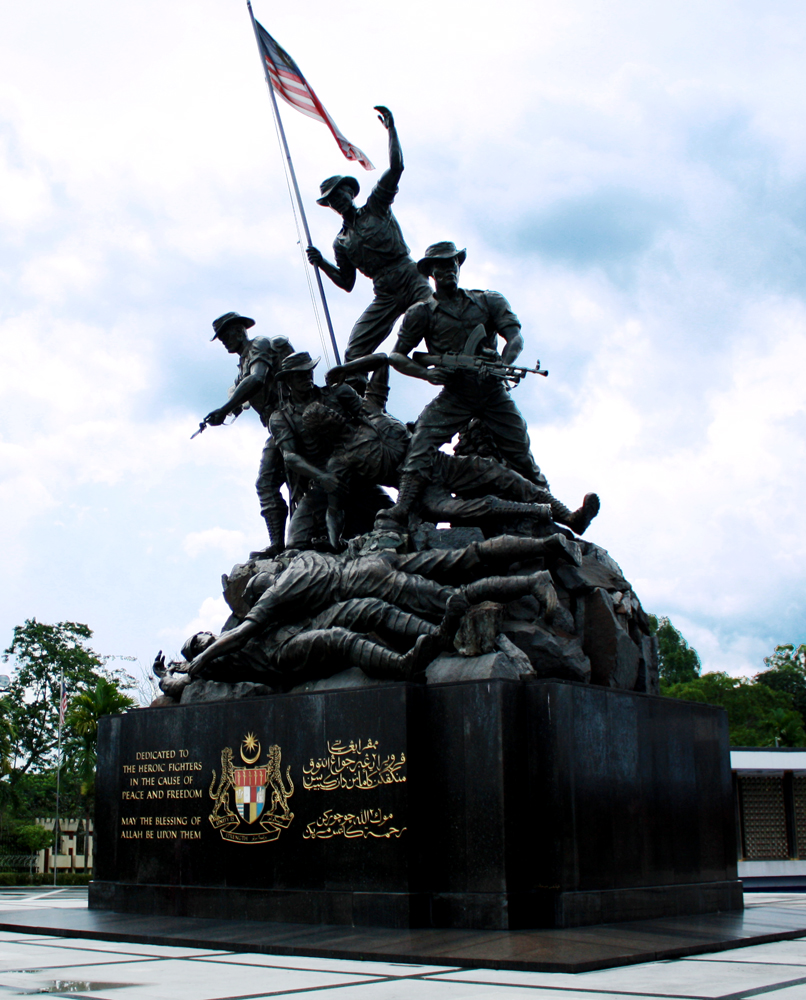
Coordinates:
[371,241]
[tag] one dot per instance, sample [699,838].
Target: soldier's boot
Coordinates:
[507,548]
[384,664]
[411,487]
[275,518]
[454,612]
[377,391]
[562,549]
[402,623]
[541,512]
[543,590]
[577,520]
[509,588]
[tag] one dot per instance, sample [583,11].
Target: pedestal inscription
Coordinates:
[495,804]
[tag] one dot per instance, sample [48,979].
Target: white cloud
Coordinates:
[230,543]
[636,188]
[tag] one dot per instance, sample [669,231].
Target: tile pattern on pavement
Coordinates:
[76,967]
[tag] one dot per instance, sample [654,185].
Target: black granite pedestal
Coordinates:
[482,804]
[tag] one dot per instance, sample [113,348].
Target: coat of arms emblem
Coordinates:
[260,793]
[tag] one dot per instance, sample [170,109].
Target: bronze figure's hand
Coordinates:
[314,257]
[329,482]
[336,375]
[216,417]
[385,116]
[437,377]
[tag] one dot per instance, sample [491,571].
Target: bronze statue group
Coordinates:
[339,584]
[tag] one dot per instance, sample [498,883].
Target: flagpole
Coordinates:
[292,172]
[58,777]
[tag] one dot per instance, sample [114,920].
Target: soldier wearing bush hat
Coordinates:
[370,241]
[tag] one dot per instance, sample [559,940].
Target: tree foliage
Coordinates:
[39,653]
[677,661]
[29,722]
[81,749]
[786,672]
[758,716]
[86,708]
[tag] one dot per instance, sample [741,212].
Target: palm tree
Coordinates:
[81,746]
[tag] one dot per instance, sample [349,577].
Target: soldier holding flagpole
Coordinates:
[371,241]
[285,78]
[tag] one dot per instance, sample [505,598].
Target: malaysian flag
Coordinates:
[62,703]
[292,86]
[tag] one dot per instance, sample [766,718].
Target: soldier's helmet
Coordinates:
[299,361]
[230,317]
[440,251]
[328,186]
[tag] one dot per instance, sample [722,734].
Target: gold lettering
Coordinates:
[367,823]
[353,765]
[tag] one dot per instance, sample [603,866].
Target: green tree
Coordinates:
[677,661]
[39,653]
[786,671]
[81,748]
[6,737]
[29,838]
[758,716]
[788,656]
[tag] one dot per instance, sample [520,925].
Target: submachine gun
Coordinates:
[486,363]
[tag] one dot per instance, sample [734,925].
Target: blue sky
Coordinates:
[631,177]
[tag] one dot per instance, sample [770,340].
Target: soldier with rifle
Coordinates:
[259,362]
[460,328]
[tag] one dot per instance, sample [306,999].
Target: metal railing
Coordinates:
[18,862]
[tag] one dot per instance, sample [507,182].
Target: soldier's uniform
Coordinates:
[445,325]
[373,244]
[417,582]
[310,500]
[271,473]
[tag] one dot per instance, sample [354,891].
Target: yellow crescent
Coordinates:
[250,760]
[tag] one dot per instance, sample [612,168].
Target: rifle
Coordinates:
[511,374]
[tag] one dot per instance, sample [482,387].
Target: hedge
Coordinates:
[40,878]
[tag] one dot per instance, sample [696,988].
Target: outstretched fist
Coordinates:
[385,116]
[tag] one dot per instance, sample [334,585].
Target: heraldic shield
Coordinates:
[250,791]
[253,787]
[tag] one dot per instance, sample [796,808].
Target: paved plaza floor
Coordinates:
[32,964]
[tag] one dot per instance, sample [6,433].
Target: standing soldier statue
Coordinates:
[255,386]
[461,328]
[371,242]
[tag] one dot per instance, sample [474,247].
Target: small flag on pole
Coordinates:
[291,85]
[62,703]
